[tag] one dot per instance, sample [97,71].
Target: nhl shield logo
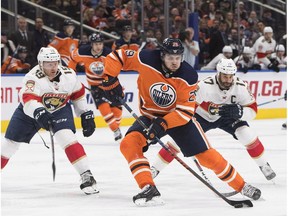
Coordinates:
[162,94]
[52,101]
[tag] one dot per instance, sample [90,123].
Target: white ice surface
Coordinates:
[28,188]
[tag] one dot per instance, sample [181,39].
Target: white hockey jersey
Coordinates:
[261,47]
[38,91]
[209,97]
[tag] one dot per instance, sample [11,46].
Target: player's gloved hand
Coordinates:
[157,129]
[43,118]
[113,89]
[88,124]
[234,111]
[274,66]
[243,69]
[80,67]
[256,67]
[285,96]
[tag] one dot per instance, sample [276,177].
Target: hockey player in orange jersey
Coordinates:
[18,63]
[90,59]
[126,41]
[224,101]
[64,42]
[167,87]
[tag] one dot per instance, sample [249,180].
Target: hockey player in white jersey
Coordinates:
[263,47]
[225,102]
[44,103]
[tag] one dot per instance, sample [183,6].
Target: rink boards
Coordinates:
[265,85]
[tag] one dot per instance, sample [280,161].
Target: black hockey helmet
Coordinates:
[22,49]
[96,37]
[67,22]
[172,46]
[127,28]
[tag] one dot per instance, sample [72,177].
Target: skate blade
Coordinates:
[155,201]
[90,190]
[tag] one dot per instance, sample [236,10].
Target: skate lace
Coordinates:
[266,169]
[117,133]
[86,177]
[249,190]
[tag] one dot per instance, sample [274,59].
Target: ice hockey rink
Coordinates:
[28,188]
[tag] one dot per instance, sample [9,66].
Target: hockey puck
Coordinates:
[240,205]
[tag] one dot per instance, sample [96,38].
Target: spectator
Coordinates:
[23,37]
[191,47]
[40,35]
[226,54]
[267,19]
[73,10]
[233,41]
[218,40]
[18,63]
[7,47]
[64,42]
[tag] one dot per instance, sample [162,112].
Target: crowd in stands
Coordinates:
[218,28]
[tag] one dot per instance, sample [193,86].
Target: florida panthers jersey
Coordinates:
[38,91]
[262,47]
[94,65]
[209,97]
[171,98]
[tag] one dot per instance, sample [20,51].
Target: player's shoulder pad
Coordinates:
[151,58]
[187,72]
[240,82]
[106,51]
[84,50]
[61,35]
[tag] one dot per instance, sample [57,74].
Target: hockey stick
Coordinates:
[236,204]
[271,101]
[53,151]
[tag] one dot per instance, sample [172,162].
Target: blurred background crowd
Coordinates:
[241,30]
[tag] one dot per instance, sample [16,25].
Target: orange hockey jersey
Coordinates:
[65,45]
[11,65]
[171,98]
[94,65]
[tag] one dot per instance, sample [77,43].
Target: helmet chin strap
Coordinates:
[166,72]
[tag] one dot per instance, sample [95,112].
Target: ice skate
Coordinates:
[149,196]
[251,192]
[154,172]
[89,185]
[267,171]
[117,135]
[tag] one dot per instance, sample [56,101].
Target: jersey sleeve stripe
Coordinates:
[186,112]
[183,116]
[27,97]
[192,109]
[78,94]
[117,55]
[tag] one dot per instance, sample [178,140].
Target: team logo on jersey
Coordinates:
[52,101]
[30,84]
[162,94]
[97,68]
[213,109]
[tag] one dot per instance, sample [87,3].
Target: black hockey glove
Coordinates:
[285,96]
[243,69]
[233,111]
[80,67]
[157,129]
[113,89]
[88,124]
[43,118]
[274,66]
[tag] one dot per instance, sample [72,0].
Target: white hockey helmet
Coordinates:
[226,66]
[48,54]
[280,48]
